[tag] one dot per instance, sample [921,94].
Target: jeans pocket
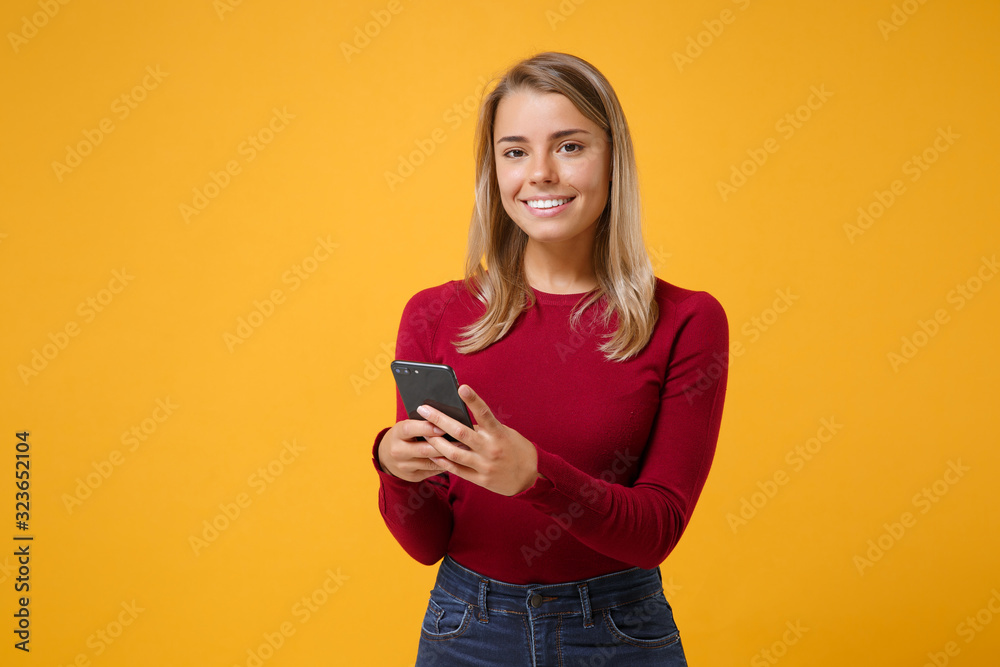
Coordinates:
[446,616]
[647,623]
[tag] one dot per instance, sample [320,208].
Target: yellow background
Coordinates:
[314,373]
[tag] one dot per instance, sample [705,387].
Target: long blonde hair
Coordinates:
[626,283]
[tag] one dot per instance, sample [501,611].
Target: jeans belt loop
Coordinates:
[483,615]
[588,620]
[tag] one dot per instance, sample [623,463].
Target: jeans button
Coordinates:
[536,600]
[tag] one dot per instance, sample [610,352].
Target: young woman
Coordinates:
[596,389]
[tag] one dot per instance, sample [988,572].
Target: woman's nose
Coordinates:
[542,169]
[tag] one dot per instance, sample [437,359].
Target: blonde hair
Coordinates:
[626,283]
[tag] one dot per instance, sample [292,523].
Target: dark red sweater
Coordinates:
[624,447]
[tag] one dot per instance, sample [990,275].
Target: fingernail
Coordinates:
[423,411]
[438,431]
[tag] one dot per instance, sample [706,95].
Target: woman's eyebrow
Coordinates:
[552,137]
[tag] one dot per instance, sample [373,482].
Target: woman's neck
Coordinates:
[561,269]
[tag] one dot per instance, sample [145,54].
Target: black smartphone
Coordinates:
[430,384]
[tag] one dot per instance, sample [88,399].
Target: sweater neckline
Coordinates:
[557,299]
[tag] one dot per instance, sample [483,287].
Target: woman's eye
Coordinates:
[511,152]
[576,148]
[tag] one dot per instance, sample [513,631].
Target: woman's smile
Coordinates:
[548,207]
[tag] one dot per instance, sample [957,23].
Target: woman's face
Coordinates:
[553,166]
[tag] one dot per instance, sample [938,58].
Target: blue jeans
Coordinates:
[616,619]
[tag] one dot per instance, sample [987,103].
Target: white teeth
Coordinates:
[547,203]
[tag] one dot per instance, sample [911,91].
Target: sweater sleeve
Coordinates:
[418,514]
[640,524]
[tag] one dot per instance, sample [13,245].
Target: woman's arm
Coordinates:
[641,524]
[417,514]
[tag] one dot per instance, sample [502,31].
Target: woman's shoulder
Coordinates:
[433,301]
[680,300]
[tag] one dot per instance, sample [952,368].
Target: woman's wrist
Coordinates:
[378,458]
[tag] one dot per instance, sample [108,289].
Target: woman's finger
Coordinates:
[452,427]
[481,411]
[418,428]
[454,452]
[457,469]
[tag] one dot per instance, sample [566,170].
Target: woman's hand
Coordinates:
[402,454]
[498,458]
